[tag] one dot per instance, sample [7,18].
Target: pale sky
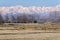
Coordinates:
[29,2]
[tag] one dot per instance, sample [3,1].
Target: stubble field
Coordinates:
[30,31]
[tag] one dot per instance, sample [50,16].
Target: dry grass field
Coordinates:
[30,31]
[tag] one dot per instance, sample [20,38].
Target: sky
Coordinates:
[29,2]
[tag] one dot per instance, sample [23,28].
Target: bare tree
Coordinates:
[1,19]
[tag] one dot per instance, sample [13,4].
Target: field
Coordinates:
[30,31]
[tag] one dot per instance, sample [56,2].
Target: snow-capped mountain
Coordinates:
[30,14]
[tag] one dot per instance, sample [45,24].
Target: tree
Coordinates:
[22,19]
[54,17]
[1,19]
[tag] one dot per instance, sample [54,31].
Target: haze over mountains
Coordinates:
[22,14]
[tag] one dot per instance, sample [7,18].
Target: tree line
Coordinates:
[25,18]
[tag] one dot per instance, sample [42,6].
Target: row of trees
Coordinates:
[18,19]
[27,18]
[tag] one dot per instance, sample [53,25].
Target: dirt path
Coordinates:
[28,35]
